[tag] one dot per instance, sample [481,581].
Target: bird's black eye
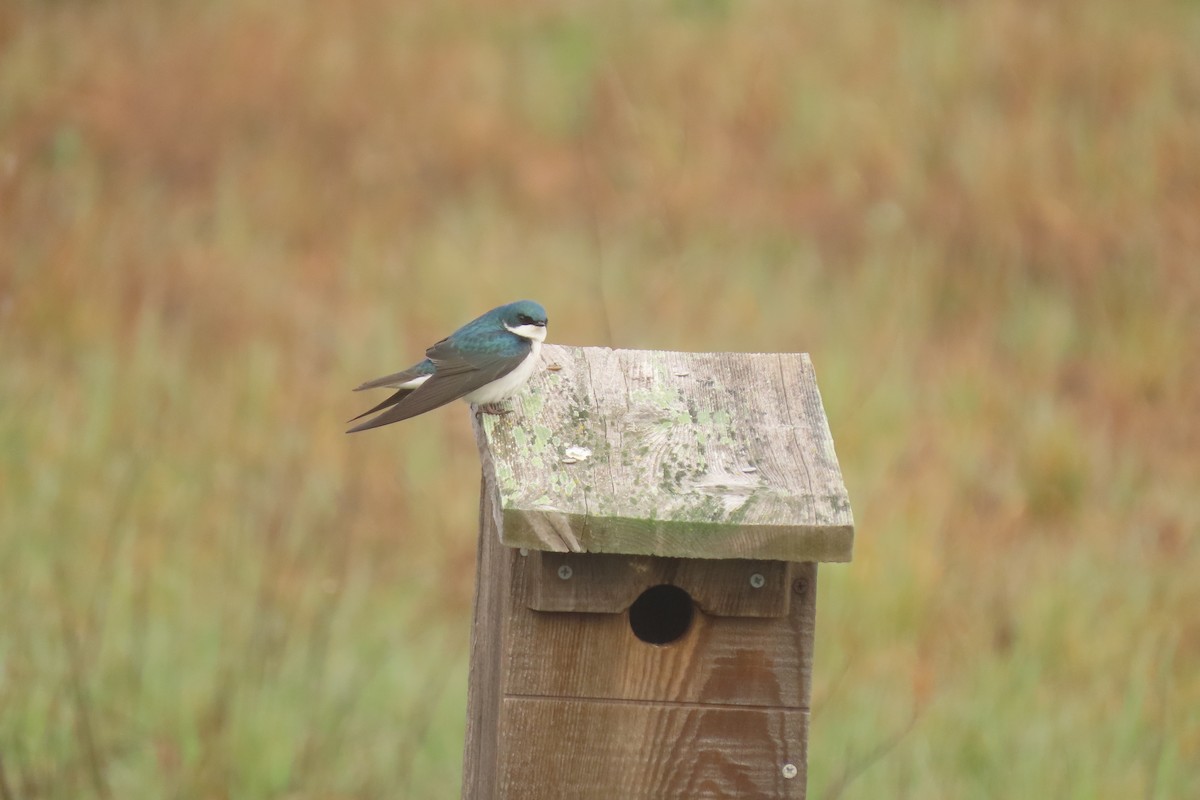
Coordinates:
[525,319]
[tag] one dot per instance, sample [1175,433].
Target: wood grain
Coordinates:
[649,751]
[601,583]
[710,715]
[619,471]
[484,682]
[698,455]
[730,660]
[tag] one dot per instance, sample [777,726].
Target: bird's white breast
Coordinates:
[506,386]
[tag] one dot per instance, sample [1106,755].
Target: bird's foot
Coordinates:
[497,409]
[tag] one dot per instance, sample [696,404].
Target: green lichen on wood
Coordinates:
[654,452]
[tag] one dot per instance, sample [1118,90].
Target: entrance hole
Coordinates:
[661,615]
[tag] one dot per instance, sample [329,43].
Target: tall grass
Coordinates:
[982,219]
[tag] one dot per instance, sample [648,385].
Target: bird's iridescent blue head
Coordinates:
[524,318]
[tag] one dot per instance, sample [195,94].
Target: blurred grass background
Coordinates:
[981,218]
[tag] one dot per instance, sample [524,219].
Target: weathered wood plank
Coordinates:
[730,660]
[485,680]
[609,583]
[555,750]
[755,666]
[698,455]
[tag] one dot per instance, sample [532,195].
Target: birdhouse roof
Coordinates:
[692,455]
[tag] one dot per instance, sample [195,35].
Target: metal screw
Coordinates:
[524,551]
[564,572]
[789,771]
[798,586]
[757,581]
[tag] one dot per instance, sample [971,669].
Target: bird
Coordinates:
[484,362]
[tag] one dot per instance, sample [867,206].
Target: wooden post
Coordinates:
[650,525]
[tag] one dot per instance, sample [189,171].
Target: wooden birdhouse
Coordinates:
[650,526]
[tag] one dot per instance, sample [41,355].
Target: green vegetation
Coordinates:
[982,219]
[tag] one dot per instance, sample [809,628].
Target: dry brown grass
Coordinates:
[982,218]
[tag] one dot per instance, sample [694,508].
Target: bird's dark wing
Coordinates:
[394,381]
[392,400]
[456,375]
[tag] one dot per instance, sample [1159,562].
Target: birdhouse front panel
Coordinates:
[653,691]
[646,642]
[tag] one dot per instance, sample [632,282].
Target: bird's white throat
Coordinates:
[536,333]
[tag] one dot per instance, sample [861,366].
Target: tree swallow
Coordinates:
[485,361]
